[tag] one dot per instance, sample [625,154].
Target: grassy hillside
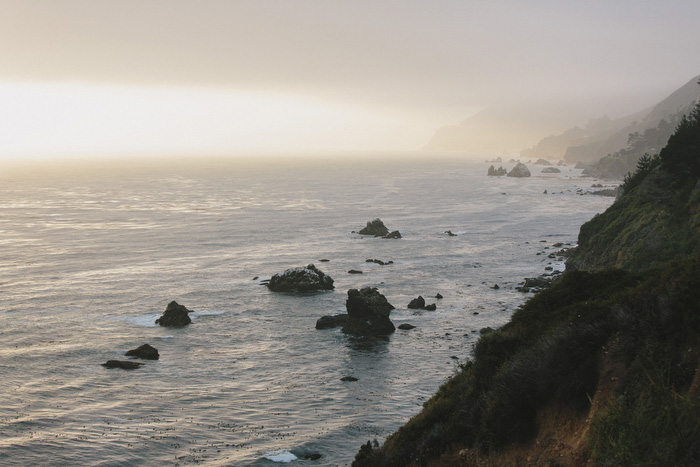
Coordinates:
[602,367]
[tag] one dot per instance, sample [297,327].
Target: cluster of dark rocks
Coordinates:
[175,315]
[144,352]
[418,303]
[520,170]
[496,172]
[533,284]
[378,261]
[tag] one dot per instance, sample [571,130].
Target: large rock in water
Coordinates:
[520,170]
[417,302]
[144,351]
[375,227]
[302,279]
[368,313]
[175,315]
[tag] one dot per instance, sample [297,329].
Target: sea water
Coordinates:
[91,256]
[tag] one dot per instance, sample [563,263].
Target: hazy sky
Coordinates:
[226,76]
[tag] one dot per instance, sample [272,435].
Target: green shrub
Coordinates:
[682,153]
[645,165]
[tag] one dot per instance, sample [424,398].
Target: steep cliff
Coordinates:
[601,368]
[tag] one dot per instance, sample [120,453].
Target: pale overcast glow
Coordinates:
[71,119]
[232,76]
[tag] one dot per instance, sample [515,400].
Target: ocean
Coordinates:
[90,256]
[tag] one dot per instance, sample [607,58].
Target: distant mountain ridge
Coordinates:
[499,130]
[507,130]
[602,137]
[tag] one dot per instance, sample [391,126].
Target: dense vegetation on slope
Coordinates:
[649,130]
[639,144]
[629,303]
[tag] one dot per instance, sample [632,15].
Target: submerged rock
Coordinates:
[144,351]
[406,326]
[348,378]
[368,313]
[175,315]
[378,261]
[551,170]
[331,321]
[520,170]
[122,364]
[302,279]
[375,227]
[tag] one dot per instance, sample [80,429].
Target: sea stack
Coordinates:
[302,279]
[520,170]
[368,313]
[375,227]
[175,315]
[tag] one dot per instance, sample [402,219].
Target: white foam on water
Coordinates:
[195,314]
[280,456]
[148,320]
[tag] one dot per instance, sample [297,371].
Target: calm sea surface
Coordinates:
[89,259]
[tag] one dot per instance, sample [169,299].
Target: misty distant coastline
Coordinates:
[531,133]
